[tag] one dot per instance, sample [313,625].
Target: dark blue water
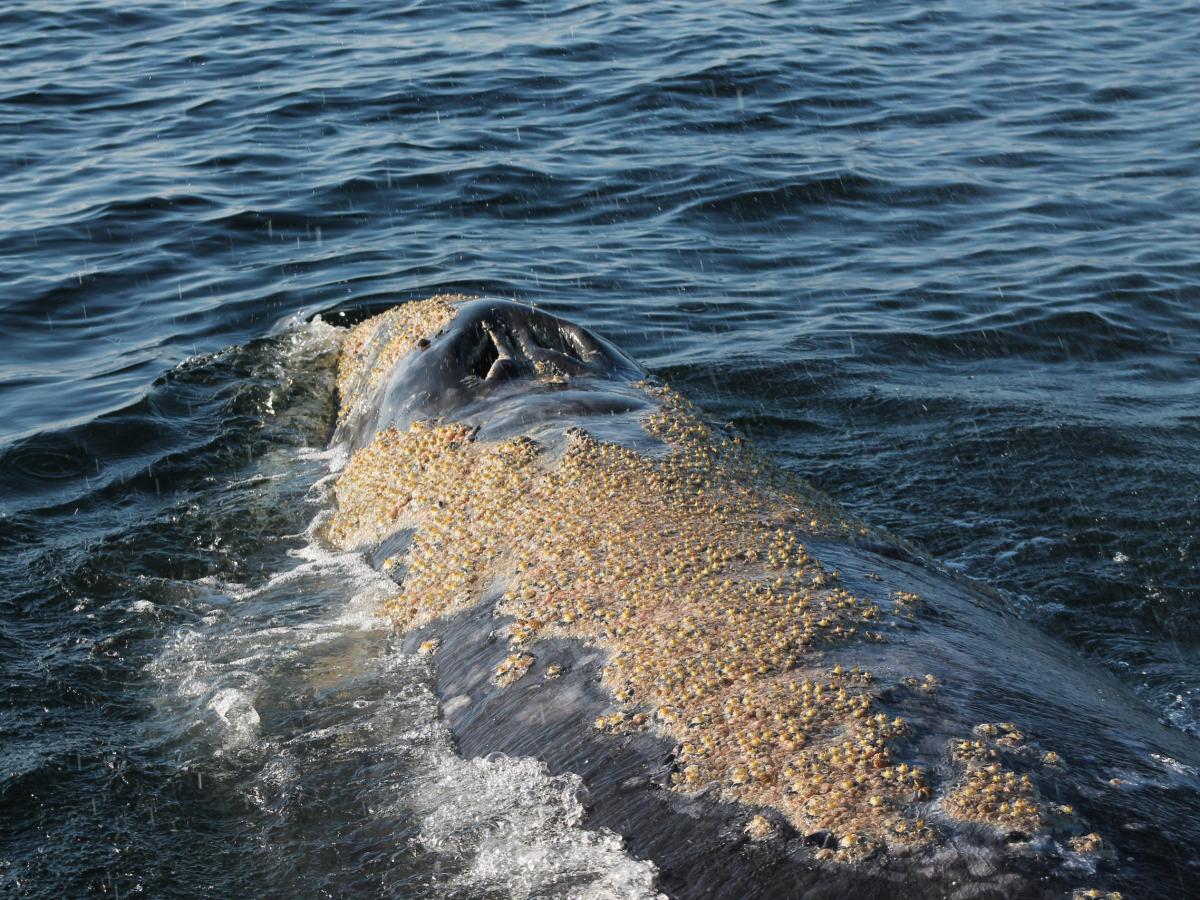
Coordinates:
[941,259]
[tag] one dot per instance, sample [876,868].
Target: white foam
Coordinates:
[1174,767]
[237,713]
[520,829]
[212,669]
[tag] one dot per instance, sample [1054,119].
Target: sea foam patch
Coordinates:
[520,829]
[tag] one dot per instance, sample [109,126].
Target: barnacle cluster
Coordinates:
[1088,843]
[986,791]
[549,372]
[512,668]
[686,567]
[906,603]
[710,607]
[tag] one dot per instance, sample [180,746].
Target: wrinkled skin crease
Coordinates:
[1129,777]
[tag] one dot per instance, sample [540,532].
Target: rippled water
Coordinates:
[942,260]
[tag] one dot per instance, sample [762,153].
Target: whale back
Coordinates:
[762,695]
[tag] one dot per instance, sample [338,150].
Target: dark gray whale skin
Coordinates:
[482,370]
[993,667]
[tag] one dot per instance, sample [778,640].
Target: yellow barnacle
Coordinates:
[1088,843]
[759,828]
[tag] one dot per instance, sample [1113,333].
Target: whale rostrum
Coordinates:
[762,695]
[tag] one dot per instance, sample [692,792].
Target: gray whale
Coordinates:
[761,695]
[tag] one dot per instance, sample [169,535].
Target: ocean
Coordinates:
[942,260]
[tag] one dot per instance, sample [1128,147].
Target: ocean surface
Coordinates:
[941,259]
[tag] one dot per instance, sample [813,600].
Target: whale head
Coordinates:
[503,366]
